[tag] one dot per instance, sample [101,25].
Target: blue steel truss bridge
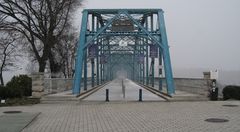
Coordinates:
[126,43]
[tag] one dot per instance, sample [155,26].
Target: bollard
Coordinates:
[140,95]
[123,89]
[107,95]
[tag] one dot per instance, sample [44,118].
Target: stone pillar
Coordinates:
[37,85]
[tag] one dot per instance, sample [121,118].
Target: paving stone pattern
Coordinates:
[16,122]
[132,117]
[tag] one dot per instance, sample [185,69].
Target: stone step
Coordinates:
[57,101]
[58,98]
[189,98]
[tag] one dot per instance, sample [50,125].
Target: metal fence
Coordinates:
[57,85]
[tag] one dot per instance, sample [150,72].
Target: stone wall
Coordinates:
[192,85]
[37,85]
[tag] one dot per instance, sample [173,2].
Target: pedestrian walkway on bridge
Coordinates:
[116,92]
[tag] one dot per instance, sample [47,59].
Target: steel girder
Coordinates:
[149,29]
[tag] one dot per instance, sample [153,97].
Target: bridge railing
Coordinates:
[191,85]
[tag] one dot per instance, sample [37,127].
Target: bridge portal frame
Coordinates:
[150,30]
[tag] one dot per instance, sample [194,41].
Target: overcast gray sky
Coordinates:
[201,33]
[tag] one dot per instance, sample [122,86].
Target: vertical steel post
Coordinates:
[152,64]
[134,61]
[80,54]
[103,73]
[166,55]
[97,67]
[133,70]
[152,22]
[92,60]
[153,59]
[141,65]
[93,64]
[111,69]
[160,71]
[93,23]
[147,56]
[143,68]
[109,61]
[138,64]
[101,65]
[139,73]
[85,70]
[108,69]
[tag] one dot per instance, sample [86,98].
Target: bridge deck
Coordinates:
[116,92]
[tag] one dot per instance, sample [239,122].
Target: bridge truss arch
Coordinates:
[123,39]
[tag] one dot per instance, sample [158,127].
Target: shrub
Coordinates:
[231,92]
[18,87]
[3,92]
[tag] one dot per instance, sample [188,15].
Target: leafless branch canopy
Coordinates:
[41,22]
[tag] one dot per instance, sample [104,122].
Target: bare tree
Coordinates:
[65,51]
[41,22]
[2,20]
[8,53]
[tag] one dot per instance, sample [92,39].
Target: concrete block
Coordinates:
[38,88]
[37,94]
[37,83]
[37,76]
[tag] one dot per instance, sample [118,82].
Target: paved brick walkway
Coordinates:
[132,116]
[15,122]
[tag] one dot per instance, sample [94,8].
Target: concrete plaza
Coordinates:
[132,116]
[154,114]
